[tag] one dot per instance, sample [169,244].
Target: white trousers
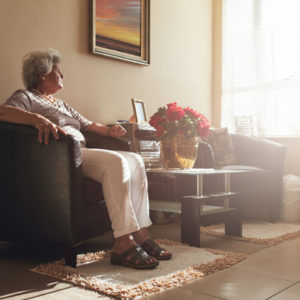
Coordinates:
[125,188]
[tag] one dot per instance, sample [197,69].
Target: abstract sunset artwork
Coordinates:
[120,29]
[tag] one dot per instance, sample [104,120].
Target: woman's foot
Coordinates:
[128,253]
[155,250]
[142,237]
[134,257]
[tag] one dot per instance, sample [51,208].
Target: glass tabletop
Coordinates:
[193,171]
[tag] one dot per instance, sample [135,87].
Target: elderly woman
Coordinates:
[126,196]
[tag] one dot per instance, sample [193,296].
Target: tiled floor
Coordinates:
[267,273]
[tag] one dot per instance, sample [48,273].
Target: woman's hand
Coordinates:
[116,131]
[45,127]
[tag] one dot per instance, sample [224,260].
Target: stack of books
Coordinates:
[143,142]
[150,152]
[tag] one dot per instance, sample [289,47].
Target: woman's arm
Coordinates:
[98,129]
[114,131]
[44,126]
[87,125]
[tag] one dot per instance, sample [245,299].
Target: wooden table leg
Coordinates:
[190,222]
[234,224]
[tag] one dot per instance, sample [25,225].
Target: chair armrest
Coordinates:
[258,152]
[94,140]
[41,190]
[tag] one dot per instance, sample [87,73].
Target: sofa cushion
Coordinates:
[257,177]
[222,146]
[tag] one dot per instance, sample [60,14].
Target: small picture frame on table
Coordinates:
[139,110]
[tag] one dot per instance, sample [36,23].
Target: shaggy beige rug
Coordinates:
[260,232]
[95,272]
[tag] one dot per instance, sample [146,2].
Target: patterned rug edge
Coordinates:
[177,279]
[269,241]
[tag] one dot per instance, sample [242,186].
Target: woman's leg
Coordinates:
[139,188]
[115,173]
[140,203]
[112,170]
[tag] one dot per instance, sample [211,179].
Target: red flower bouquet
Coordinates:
[174,120]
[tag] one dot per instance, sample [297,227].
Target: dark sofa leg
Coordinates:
[70,255]
[273,215]
[234,224]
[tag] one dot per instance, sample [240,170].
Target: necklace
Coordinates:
[50,98]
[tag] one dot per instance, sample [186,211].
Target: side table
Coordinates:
[195,209]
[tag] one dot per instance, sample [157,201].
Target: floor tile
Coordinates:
[239,284]
[59,290]
[291,293]
[272,266]
[287,249]
[181,294]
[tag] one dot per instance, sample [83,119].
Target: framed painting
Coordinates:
[120,29]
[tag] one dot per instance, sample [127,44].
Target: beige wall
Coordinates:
[101,88]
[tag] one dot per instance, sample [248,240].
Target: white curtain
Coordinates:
[261,67]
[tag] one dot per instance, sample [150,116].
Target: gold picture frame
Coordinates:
[139,110]
[120,29]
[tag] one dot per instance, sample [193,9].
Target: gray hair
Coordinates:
[37,63]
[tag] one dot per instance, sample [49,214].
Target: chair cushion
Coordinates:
[92,191]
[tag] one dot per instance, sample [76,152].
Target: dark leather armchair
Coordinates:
[44,196]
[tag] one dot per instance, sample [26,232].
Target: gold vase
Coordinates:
[179,152]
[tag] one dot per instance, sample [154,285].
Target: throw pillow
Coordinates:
[222,146]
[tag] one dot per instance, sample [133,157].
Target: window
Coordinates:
[261,67]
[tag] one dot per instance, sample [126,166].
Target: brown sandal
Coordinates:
[155,250]
[138,260]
